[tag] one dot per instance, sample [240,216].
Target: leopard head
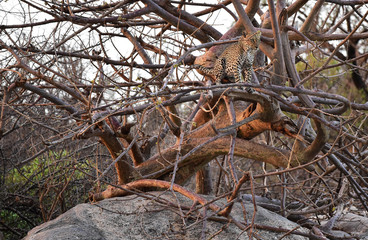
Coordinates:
[251,40]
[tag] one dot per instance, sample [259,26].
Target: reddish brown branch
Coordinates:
[149,183]
[226,211]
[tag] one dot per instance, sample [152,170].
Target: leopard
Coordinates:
[235,59]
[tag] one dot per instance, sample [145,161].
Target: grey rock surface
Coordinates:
[134,217]
[354,224]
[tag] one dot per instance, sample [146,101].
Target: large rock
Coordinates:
[354,224]
[135,217]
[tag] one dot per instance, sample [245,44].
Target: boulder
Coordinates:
[354,224]
[135,217]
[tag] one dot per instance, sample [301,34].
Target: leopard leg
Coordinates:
[221,71]
[239,75]
[248,79]
[209,94]
[209,72]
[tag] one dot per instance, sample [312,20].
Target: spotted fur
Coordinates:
[237,57]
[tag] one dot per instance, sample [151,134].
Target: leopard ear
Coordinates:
[243,36]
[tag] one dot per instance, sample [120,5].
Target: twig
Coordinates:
[226,211]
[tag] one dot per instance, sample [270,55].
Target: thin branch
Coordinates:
[311,17]
[180,24]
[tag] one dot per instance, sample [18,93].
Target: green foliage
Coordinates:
[51,181]
[335,79]
[55,164]
[325,79]
[12,217]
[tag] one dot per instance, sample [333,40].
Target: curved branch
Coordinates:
[318,143]
[278,55]
[243,148]
[290,64]
[149,183]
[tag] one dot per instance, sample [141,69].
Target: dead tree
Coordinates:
[106,70]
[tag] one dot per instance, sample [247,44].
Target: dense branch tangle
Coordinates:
[121,72]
